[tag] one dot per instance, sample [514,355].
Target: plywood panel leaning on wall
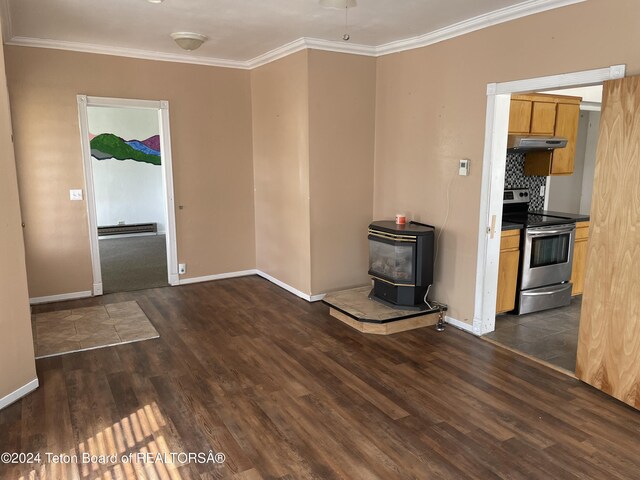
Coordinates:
[609,341]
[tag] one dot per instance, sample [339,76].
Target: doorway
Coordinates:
[551,335]
[129,187]
[493,179]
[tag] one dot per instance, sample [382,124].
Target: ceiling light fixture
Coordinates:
[155,1]
[346,4]
[189,40]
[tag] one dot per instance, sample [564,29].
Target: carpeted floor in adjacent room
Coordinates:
[133,263]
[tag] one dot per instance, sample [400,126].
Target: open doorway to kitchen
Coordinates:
[127,159]
[493,194]
[547,329]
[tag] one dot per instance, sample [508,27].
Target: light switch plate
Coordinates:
[75,194]
[464,167]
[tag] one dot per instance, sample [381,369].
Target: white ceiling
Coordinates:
[241,30]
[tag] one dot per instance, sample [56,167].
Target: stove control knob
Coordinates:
[521,194]
[526,194]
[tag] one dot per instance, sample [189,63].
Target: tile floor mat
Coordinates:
[67,331]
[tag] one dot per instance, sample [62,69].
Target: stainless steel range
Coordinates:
[546,254]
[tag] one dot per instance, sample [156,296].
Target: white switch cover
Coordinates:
[75,194]
[464,167]
[542,190]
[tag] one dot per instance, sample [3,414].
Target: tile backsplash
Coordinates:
[514,178]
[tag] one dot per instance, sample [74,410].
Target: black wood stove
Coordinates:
[401,262]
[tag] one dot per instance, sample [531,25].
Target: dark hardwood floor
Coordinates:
[285,391]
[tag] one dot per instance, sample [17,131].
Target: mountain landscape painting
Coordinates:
[108,145]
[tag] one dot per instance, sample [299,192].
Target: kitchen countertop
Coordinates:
[578,217]
[506,225]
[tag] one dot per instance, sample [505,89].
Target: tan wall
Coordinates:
[16,345]
[281,169]
[341,140]
[210,112]
[430,112]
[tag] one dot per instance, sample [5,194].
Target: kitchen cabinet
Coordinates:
[508,270]
[540,114]
[520,116]
[543,118]
[579,257]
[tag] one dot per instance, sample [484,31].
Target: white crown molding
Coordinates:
[305,43]
[277,53]
[530,7]
[526,8]
[125,52]
[341,47]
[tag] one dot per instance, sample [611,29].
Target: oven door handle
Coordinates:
[550,290]
[539,233]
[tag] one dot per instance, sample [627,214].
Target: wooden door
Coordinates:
[609,342]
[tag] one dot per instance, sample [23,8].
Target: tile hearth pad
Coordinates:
[356,309]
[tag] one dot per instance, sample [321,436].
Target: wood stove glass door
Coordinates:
[393,261]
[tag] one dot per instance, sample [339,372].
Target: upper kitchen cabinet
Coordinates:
[546,115]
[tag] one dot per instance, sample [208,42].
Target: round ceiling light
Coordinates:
[189,40]
[155,1]
[338,3]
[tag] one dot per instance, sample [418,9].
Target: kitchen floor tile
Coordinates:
[551,335]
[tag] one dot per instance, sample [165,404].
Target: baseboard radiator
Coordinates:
[128,229]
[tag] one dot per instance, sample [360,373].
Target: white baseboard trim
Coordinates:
[244,273]
[19,393]
[289,288]
[458,324]
[317,298]
[131,235]
[219,276]
[60,298]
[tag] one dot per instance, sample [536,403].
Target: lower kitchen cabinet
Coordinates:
[508,270]
[579,257]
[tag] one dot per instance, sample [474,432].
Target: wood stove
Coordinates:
[401,262]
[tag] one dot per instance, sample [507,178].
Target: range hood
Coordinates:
[521,143]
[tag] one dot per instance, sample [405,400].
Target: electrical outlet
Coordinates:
[75,194]
[182,268]
[542,189]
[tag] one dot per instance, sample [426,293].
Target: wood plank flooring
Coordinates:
[287,392]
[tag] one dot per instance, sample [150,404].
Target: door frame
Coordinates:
[493,170]
[162,107]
